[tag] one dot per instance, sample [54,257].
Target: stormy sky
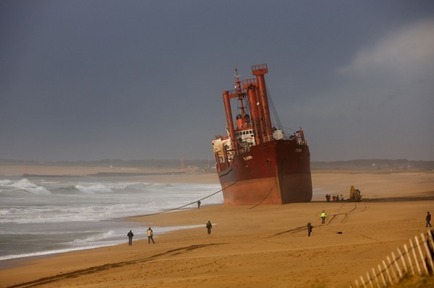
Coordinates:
[93,80]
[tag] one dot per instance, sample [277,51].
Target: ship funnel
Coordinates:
[259,71]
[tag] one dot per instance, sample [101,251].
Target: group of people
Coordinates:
[208,226]
[323,221]
[324,216]
[334,198]
[150,234]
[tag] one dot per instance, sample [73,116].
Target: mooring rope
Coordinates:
[188,204]
[266,196]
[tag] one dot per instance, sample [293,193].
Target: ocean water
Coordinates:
[40,216]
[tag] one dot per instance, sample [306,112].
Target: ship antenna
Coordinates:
[240,94]
[237,81]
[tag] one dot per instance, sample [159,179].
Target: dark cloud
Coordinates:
[89,80]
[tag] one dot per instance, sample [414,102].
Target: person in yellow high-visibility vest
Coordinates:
[323,217]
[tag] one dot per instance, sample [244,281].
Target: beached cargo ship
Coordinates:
[257,162]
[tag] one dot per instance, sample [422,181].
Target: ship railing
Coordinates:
[259,67]
[298,136]
[235,92]
[248,82]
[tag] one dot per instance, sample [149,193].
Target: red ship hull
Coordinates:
[257,162]
[275,172]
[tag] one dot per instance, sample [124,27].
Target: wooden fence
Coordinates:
[412,259]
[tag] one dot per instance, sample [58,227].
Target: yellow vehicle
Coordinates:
[355,194]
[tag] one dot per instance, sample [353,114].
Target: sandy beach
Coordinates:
[263,246]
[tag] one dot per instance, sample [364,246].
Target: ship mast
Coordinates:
[242,117]
[251,94]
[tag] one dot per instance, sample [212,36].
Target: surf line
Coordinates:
[188,204]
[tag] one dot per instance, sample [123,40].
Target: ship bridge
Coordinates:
[245,137]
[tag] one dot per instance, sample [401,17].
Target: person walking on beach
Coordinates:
[309,229]
[428,219]
[208,227]
[198,204]
[323,217]
[130,238]
[150,234]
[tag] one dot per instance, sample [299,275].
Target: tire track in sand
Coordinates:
[95,269]
[346,215]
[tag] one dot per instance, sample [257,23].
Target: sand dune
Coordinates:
[263,246]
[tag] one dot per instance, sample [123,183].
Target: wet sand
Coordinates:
[263,246]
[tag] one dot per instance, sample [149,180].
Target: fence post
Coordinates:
[382,276]
[387,272]
[429,235]
[403,261]
[397,266]
[391,268]
[363,282]
[375,277]
[415,258]
[427,262]
[369,279]
[409,259]
[428,254]
[421,254]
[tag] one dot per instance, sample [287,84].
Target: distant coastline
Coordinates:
[164,167]
[110,174]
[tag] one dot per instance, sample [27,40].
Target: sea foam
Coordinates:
[40,216]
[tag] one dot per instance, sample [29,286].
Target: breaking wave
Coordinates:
[83,212]
[27,186]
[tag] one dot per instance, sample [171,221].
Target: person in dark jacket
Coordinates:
[428,219]
[208,227]
[130,238]
[309,229]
